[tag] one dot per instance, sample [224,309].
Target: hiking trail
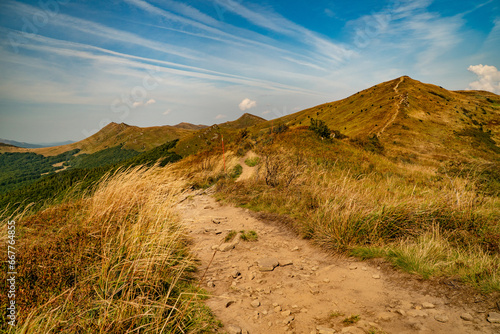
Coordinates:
[283,284]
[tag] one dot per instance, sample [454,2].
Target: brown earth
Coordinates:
[311,291]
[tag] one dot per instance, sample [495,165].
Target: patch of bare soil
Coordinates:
[283,284]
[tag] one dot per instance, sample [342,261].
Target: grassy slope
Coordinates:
[431,127]
[130,137]
[350,200]
[89,266]
[428,200]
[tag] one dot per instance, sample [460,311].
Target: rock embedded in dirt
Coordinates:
[325,330]
[255,303]
[441,318]
[233,329]
[376,276]
[267,264]
[494,317]
[285,263]
[353,267]
[466,317]
[352,330]
[417,313]
[428,305]
[227,246]
[288,320]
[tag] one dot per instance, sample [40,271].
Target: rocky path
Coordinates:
[403,100]
[283,284]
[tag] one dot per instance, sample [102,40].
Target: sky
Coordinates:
[68,67]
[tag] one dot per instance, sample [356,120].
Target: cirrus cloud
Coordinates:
[247,104]
[488,78]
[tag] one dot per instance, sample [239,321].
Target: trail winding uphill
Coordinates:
[402,99]
[283,284]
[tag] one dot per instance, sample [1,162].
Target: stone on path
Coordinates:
[441,317]
[428,305]
[255,303]
[267,264]
[227,246]
[325,330]
[466,317]
[233,329]
[494,317]
[288,320]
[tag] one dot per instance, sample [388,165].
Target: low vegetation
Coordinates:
[358,202]
[114,262]
[76,181]
[248,236]
[252,162]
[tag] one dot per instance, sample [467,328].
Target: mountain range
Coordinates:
[411,120]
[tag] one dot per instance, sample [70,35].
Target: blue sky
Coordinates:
[70,67]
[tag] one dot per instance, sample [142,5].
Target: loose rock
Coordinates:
[494,317]
[441,317]
[325,330]
[288,320]
[233,329]
[227,246]
[466,317]
[267,264]
[255,303]
[428,305]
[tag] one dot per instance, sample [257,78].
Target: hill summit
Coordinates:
[414,120]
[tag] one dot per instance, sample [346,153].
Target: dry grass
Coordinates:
[117,262]
[375,207]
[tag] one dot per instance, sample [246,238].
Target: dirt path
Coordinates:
[403,99]
[247,171]
[283,284]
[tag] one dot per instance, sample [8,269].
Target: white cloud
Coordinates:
[150,101]
[489,78]
[266,112]
[247,104]
[137,104]
[168,111]
[220,116]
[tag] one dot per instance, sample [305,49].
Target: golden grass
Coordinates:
[120,264]
[357,202]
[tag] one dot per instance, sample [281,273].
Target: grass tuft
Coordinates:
[115,262]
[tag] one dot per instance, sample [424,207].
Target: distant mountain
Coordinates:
[245,121]
[112,135]
[28,145]
[190,126]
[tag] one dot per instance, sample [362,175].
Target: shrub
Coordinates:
[320,128]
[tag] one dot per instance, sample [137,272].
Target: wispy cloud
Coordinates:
[220,116]
[260,17]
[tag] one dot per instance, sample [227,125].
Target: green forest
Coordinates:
[85,170]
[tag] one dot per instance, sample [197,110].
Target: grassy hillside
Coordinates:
[246,120]
[87,267]
[415,122]
[112,135]
[435,221]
